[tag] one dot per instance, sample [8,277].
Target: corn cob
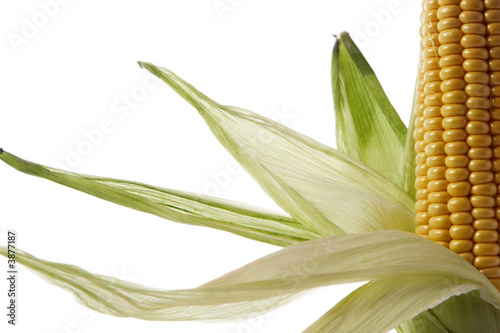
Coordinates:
[457,130]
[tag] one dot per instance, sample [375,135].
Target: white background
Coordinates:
[63,74]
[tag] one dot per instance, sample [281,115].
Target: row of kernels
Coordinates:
[426,86]
[493,27]
[421,218]
[478,92]
[491,267]
[455,122]
[452,97]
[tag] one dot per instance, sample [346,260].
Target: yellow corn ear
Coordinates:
[457,130]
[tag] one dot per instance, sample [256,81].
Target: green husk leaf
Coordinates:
[424,322]
[408,183]
[276,278]
[460,314]
[379,306]
[326,190]
[243,220]
[368,127]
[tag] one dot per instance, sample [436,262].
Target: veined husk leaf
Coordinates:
[459,314]
[276,278]
[408,182]
[323,188]
[425,322]
[201,210]
[379,306]
[368,127]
